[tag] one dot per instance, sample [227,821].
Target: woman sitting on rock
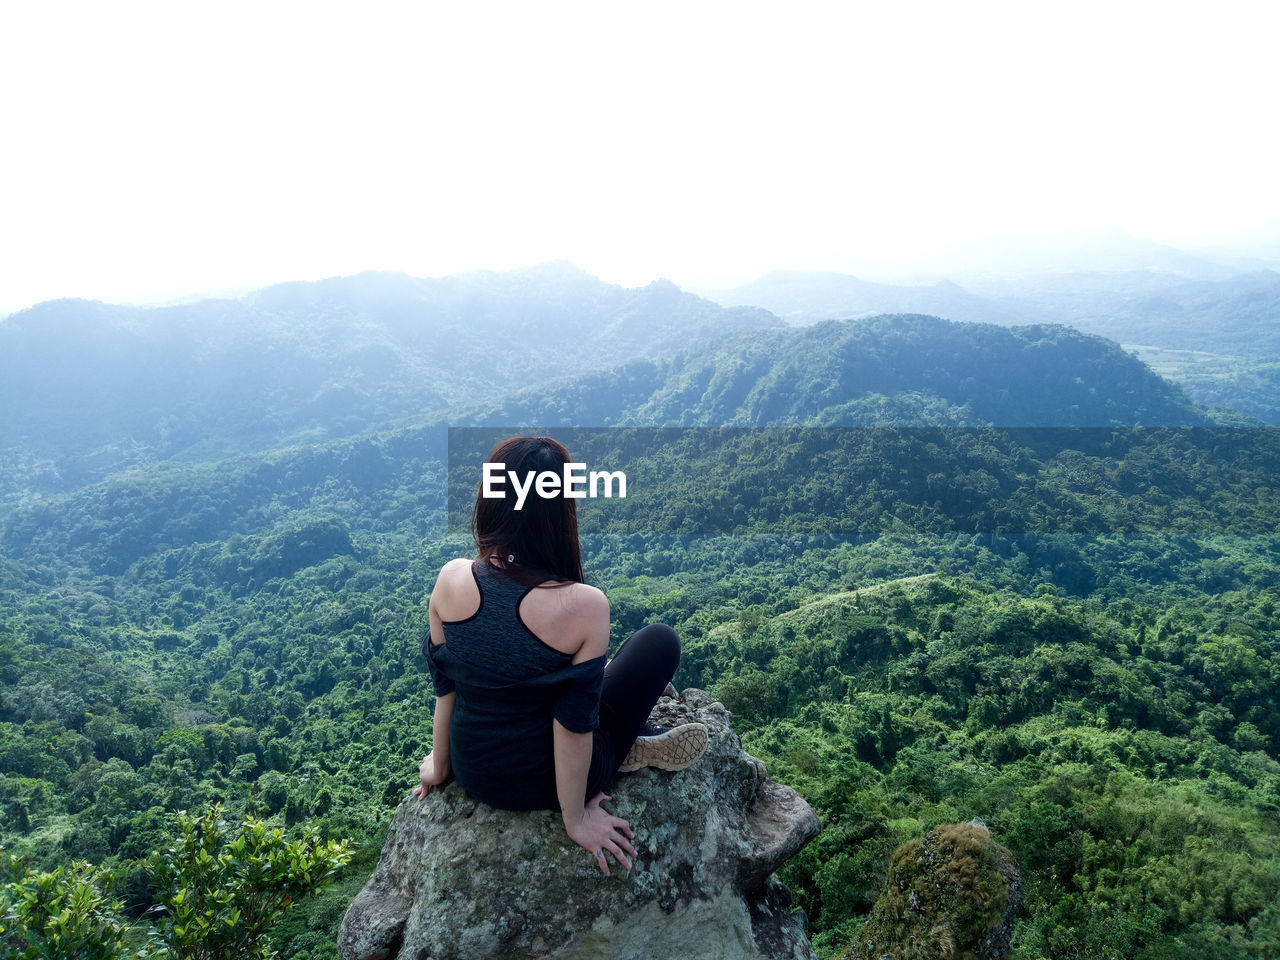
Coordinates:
[528,715]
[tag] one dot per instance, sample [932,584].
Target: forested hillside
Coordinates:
[1212,330]
[878,371]
[90,388]
[950,571]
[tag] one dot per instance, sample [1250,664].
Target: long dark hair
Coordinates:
[543,534]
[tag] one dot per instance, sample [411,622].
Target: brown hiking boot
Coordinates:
[667,749]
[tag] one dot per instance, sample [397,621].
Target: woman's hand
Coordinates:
[432,774]
[598,831]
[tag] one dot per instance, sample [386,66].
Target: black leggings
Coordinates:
[633,681]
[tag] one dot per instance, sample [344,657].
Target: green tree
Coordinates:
[222,886]
[58,914]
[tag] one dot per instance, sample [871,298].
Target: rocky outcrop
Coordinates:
[459,879]
[953,895]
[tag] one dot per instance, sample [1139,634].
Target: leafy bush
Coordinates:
[222,887]
[52,915]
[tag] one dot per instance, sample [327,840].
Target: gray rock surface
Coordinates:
[459,879]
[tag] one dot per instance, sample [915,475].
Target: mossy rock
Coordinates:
[952,895]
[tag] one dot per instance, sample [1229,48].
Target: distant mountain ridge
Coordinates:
[802,297]
[1233,320]
[1238,315]
[888,370]
[88,387]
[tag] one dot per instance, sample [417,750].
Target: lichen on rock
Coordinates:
[459,879]
[952,895]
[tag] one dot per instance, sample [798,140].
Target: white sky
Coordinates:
[155,151]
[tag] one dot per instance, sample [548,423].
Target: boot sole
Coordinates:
[672,749]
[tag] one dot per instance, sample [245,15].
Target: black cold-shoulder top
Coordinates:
[509,686]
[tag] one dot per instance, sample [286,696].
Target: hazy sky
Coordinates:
[153,151]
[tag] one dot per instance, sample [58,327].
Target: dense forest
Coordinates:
[936,570]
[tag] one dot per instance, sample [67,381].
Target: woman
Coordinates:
[528,716]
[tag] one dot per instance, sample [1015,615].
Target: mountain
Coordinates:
[88,388]
[1219,338]
[1238,316]
[883,370]
[801,298]
[1074,642]
[91,388]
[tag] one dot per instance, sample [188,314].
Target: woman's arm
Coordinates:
[573,760]
[436,767]
[587,823]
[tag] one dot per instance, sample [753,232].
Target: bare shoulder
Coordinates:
[455,594]
[573,618]
[590,600]
[572,600]
[454,572]
[456,566]
[591,615]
